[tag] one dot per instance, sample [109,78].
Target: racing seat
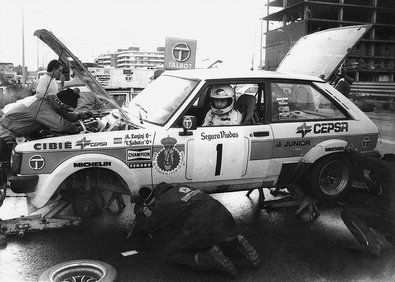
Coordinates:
[246,106]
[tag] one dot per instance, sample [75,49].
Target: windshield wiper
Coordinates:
[141,109]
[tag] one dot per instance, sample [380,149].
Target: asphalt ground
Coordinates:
[290,248]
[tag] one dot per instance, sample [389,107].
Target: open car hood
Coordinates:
[320,54]
[78,68]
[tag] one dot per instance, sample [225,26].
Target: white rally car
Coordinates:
[300,129]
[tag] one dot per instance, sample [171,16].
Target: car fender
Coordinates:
[317,152]
[324,148]
[49,183]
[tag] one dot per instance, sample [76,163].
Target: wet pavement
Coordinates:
[290,248]
[385,122]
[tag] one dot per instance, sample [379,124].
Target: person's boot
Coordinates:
[247,251]
[372,248]
[381,238]
[215,259]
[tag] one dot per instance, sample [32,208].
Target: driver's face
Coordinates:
[220,103]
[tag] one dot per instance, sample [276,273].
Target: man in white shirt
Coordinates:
[47,84]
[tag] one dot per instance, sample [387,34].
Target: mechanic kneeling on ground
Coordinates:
[372,222]
[198,231]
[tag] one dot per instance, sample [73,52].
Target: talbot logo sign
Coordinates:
[181,52]
[36,162]
[187,122]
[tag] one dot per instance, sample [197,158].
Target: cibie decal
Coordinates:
[36,162]
[52,146]
[303,129]
[168,160]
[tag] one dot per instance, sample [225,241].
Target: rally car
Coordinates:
[300,129]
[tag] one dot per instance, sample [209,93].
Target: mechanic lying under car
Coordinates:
[198,231]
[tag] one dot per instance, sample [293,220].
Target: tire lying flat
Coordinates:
[79,271]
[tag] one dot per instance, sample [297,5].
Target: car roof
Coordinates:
[214,74]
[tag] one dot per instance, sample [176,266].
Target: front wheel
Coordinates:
[330,177]
[79,271]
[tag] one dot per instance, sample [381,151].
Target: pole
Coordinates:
[23,51]
[38,60]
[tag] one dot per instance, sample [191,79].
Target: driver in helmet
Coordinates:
[222,111]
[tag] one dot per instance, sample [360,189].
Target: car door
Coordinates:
[230,157]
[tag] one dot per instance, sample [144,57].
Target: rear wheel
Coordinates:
[330,177]
[79,271]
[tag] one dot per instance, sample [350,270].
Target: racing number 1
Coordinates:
[219,160]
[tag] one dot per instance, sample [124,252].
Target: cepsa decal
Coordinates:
[168,160]
[220,135]
[138,139]
[139,158]
[85,142]
[52,146]
[320,128]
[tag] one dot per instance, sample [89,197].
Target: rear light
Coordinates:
[16,161]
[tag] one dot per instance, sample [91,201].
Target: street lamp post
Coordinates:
[23,51]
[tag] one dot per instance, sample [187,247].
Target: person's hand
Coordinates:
[61,78]
[85,115]
[350,147]
[138,208]
[309,205]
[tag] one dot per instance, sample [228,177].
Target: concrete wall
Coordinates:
[278,42]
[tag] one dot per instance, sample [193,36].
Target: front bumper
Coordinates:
[23,183]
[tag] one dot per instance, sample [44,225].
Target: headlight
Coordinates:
[16,160]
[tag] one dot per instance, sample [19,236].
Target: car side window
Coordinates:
[294,101]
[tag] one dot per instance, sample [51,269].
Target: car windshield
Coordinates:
[158,102]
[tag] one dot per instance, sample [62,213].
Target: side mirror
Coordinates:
[188,123]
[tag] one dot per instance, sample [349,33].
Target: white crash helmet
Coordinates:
[222,92]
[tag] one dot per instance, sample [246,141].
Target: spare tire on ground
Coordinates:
[79,271]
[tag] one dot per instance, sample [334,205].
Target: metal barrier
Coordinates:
[374,89]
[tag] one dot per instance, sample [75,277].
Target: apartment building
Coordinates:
[133,58]
[372,62]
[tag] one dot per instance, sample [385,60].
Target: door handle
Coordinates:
[261,133]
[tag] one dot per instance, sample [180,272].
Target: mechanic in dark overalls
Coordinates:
[373,222]
[201,231]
